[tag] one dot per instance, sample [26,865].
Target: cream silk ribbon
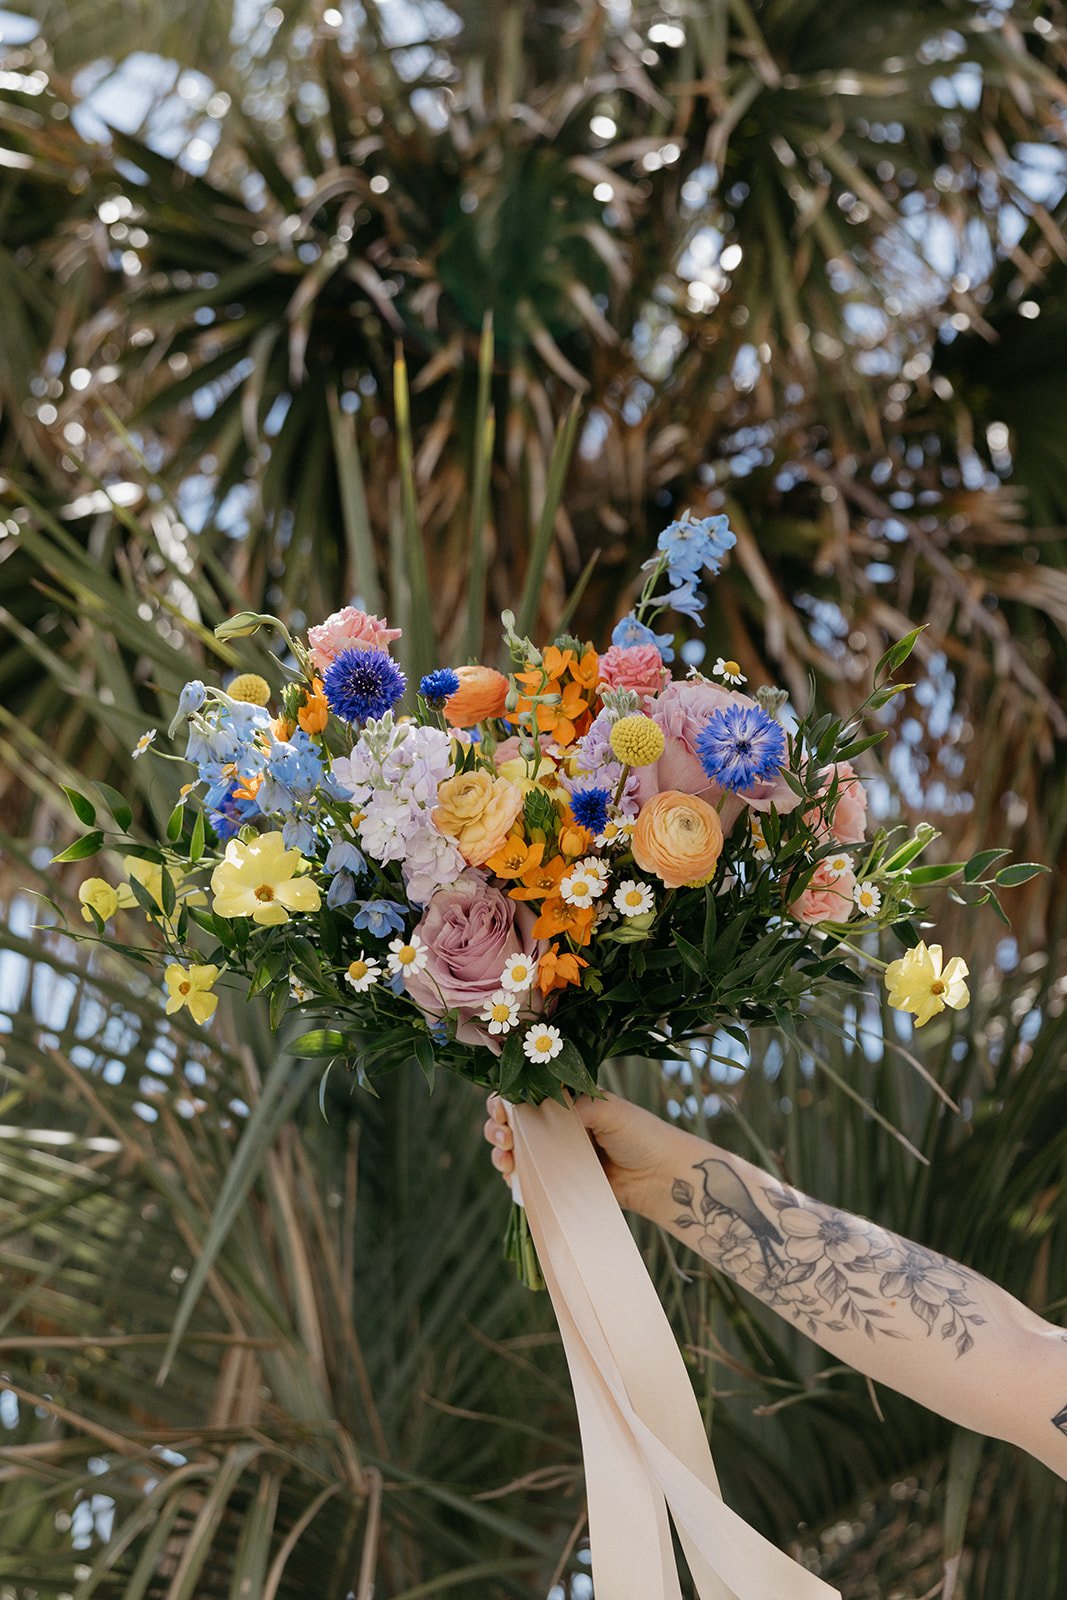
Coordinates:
[642,1435]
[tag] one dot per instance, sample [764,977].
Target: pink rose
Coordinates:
[848,825]
[636,666]
[827,898]
[349,629]
[468,930]
[681,711]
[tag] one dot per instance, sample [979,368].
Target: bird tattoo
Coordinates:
[725,1191]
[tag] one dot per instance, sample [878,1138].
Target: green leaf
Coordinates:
[424,1055]
[82,808]
[88,845]
[897,653]
[118,805]
[166,889]
[691,955]
[175,822]
[320,1042]
[196,843]
[978,863]
[570,1069]
[512,1065]
[923,875]
[1019,872]
[279,1000]
[858,746]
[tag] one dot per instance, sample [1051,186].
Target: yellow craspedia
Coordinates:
[251,688]
[637,741]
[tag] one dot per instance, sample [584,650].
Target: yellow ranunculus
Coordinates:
[96,894]
[476,809]
[920,984]
[191,986]
[259,880]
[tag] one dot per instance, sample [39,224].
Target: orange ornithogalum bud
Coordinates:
[314,714]
[556,970]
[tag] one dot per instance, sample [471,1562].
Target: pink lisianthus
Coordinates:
[848,824]
[348,629]
[469,929]
[636,666]
[828,897]
[681,711]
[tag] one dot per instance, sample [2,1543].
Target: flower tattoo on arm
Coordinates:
[824,1268]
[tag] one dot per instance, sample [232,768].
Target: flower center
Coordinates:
[542,1042]
[731,669]
[406,954]
[519,972]
[634,897]
[358,969]
[579,889]
[743,747]
[501,1012]
[185,988]
[937,987]
[264,892]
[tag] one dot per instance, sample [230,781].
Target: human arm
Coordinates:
[897,1311]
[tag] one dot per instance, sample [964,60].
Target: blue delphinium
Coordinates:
[343,856]
[379,917]
[362,684]
[740,747]
[630,632]
[590,808]
[293,771]
[691,546]
[436,687]
[298,834]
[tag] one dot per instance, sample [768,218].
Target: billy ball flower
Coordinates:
[191,987]
[250,688]
[920,983]
[590,808]
[501,1011]
[363,973]
[633,898]
[361,685]
[542,1043]
[637,741]
[519,973]
[406,955]
[740,746]
[436,687]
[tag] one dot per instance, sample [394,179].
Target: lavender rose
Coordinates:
[468,930]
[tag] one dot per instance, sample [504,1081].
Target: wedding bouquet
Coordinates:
[517,875]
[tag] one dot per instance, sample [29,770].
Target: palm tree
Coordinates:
[456,317]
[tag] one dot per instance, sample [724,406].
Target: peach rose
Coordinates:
[636,666]
[481,694]
[827,898]
[848,824]
[348,629]
[679,838]
[476,809]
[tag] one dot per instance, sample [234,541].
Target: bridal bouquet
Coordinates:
[517,875]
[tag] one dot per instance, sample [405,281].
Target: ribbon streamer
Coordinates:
[643,1438]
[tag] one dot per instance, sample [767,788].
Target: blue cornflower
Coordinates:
[590,808]
[229,816]
[343,856]
[379,917]
[362,684]
[629,632]
[437,686]
[740,747]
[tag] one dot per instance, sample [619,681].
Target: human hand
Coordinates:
[628,1141]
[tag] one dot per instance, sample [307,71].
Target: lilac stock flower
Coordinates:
[363,684]
[740,746]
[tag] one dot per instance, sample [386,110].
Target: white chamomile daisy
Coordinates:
[143,743]
[836,866]
[633,898]
[595,868]
[542,1043]
[518,974]
[579,888]
[868,897]
[619,831]
[501,1012]
[729,672]
[363,973]
[407,955]
[299,991]
[760,848]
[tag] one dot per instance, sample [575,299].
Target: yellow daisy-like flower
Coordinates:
[919,983]
[96,894]
[250,688]
[191,987]
[259,880]
[637,741]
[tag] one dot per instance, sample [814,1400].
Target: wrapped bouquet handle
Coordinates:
[646,1451]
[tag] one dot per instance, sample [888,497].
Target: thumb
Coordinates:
[596,1116]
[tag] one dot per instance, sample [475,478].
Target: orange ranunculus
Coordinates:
[559,916]
[481,694]
[515,857]
[679,838]
[556,970]
[477,809]
[537,882]
[314,714]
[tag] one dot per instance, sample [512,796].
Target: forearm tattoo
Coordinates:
[826,1269]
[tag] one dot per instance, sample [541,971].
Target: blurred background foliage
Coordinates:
[450,307]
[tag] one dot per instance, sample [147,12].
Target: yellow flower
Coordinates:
[637,741]
[149,874]
[191,987]
[96,894]
[476,809]
[918,983]
[259,880]
[250,688]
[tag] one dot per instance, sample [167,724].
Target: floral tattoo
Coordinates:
[824,1268]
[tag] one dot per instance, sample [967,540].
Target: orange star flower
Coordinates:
[587,670]
[557,661]
[314,714]
[516,857]
[540,880]
[559,916]
[556,970]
